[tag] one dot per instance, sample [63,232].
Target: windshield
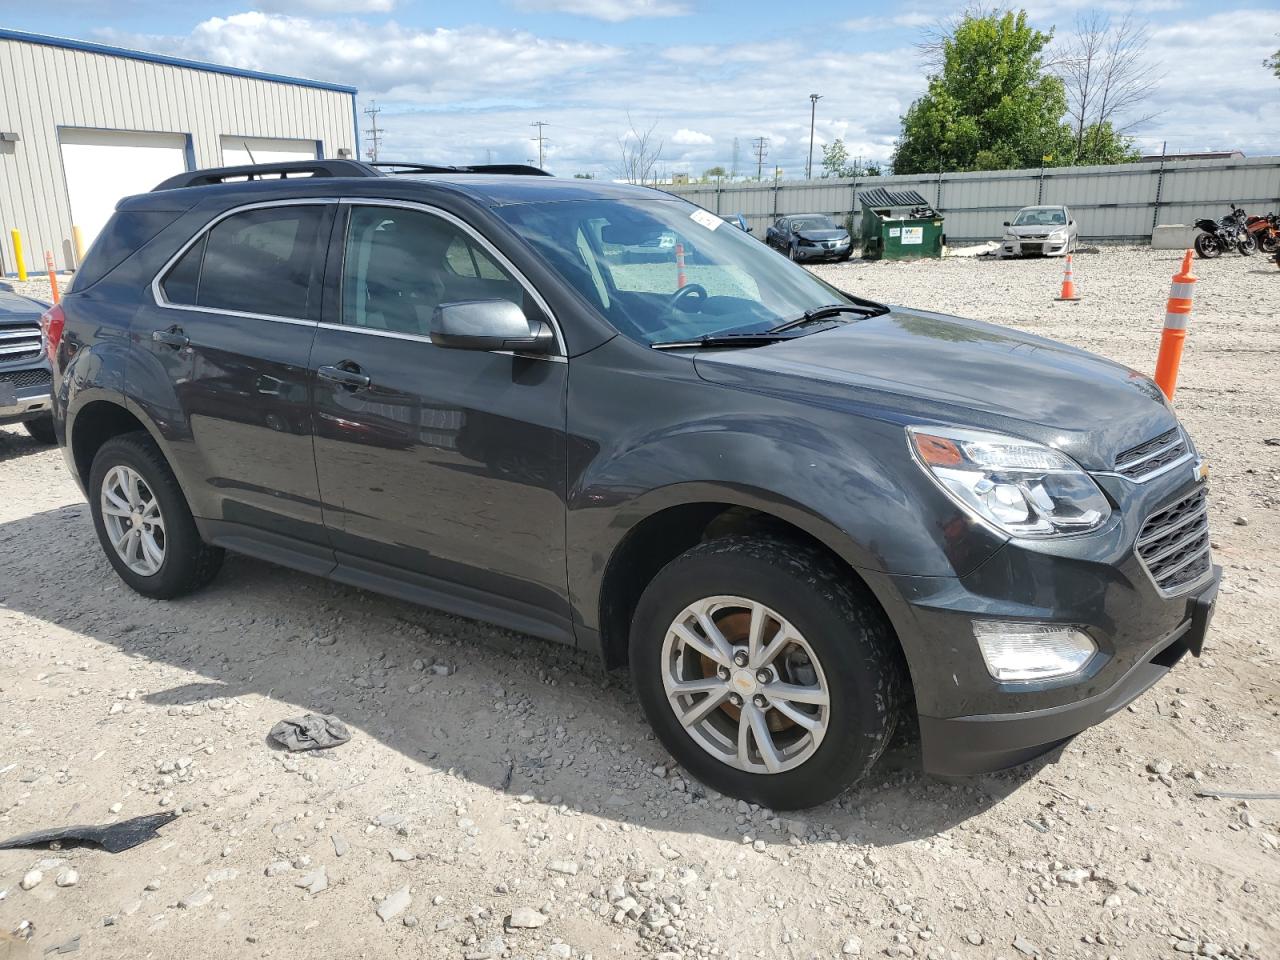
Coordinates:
[813,223]
[624,257]
[1041,217]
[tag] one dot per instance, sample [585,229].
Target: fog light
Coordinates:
[1032,651]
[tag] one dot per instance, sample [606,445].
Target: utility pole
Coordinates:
[539,124]
[373,131]
[761,146]
[733,167]
[813,111]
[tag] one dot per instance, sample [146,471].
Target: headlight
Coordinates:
[1058,236]
[1022,488]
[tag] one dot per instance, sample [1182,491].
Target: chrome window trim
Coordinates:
[493,251]
[157,290]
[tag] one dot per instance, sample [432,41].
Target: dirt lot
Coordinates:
[489,773]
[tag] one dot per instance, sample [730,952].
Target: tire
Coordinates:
[1207,246]
[1248,246]
[791,255]
[187,563]
[41,430]
[851,655]
[1269,245]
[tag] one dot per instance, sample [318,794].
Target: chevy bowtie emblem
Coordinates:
[1200,470]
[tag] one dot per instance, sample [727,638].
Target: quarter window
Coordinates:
[400,265]
[260,261]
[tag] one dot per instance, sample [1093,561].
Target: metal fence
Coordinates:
[1120,202]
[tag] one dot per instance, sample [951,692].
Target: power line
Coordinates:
[373,131]
[539,124]
[761,147]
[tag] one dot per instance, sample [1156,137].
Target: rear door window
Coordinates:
[265,261]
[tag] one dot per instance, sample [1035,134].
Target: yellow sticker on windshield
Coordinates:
[708,220]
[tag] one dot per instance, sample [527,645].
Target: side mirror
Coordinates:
[1006,223]
[748,229]
[489,325]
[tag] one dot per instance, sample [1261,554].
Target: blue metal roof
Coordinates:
[110,51]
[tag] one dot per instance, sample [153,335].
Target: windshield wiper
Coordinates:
[866,309]
[723,340]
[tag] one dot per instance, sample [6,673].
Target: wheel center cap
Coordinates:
[744,682]
[136,519]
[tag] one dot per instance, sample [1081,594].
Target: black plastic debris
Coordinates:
[314,731]
[111,837]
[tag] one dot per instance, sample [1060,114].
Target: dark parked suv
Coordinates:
[800,516]
[24,367]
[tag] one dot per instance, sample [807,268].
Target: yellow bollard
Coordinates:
[17,254]
[77,244]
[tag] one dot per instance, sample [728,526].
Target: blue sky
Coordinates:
[461,82]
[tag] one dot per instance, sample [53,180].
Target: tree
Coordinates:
[835,160]
[1107,81]
[873,170]
[714,173]
[639,153]
[1272,63]
[990,106]
[584,176]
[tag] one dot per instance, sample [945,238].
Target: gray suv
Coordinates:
[24,368]
[598,414]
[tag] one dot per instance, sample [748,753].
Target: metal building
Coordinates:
[83,124]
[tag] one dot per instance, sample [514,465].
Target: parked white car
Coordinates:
[1040,231]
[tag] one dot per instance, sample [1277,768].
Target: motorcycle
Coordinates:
[1265,231]
[1218,236]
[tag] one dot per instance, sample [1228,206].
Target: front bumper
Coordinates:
[962,746]
[23,403]
[839,252]
[969,721]
[1034,248]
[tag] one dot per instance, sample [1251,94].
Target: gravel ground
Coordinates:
[502,797]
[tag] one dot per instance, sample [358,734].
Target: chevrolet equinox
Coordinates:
[595,413]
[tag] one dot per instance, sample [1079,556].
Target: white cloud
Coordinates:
[691,138]
[614,11]
[325,7]
[868,24]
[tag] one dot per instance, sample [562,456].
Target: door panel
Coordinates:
[449,465]
[230,389]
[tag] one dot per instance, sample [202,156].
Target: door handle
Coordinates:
[346,373]
[173,337]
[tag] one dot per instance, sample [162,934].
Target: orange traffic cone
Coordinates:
[680,280]
[1176,311]
[1068,284]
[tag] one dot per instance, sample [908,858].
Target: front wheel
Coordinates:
[143,521]
[1207,246]
[766,671]
[1248,246]
[41,429]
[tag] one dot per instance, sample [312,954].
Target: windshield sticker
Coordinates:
[708,220]
[912,235]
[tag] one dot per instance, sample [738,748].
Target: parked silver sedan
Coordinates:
[1040,231]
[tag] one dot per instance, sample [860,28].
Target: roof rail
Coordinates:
[511,169]
[269,171]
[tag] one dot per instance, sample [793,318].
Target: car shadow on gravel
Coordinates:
[15,443]
[508,712]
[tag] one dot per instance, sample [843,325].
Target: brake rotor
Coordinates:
[735,628]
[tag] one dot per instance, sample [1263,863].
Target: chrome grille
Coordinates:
[25,378]
[19,340]
[1174,542]
[1140,462]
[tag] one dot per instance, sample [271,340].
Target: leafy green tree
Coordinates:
[714,173]
[584,176]
[990,106]
[835,160]
[1272,63]
[873,170]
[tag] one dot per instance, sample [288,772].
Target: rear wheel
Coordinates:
[41,429]
[143,521]
[765,672]
[1207,246]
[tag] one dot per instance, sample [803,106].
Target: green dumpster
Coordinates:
[899,225]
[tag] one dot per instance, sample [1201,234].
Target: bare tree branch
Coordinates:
[639,153]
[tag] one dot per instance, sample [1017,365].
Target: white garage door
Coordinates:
[102,166]
[238,151]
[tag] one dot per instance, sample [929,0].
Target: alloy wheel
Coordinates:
[133,521]
[745,684]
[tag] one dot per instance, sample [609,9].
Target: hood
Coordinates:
[14,306]
[1035,229]
[924,367]
[817,235]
